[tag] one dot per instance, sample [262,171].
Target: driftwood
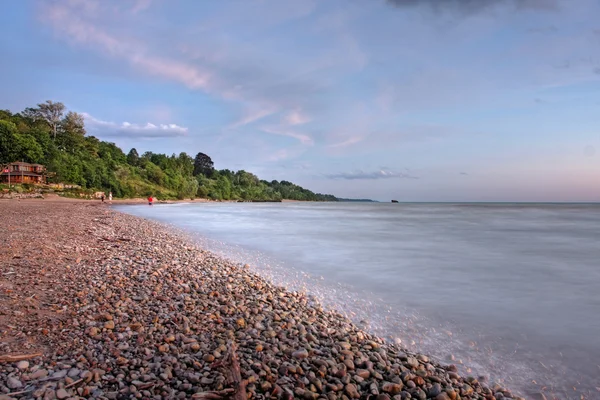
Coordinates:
[74,383]
[218,395]
[234,378]
[14,358]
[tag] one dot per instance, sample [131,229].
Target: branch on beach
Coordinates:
[218,395]
[14,358]
[234,378]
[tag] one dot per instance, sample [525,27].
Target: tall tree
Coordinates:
[73,123]
[203,165]
[133,158]
[52,113]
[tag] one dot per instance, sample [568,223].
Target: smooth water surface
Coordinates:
[510,290]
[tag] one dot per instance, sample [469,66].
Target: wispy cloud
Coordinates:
[253,116]
[126,129]
[296,117]
[346,143]
[303,138]
[472,6]
[372,175]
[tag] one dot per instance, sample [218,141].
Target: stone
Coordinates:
[412,362]
[13,383]
[351,392]
[60,374]
[22,365]
[435,390]
[40,373]
[392,388]
[62,394]
[110,324]
[300,354]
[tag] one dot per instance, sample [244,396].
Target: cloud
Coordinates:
[253,116]
[347,142]
[474,6]
[303,138]
[373,175]
[217,65]
[296,117]
[126,129]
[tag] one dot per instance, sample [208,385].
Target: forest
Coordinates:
[47,134]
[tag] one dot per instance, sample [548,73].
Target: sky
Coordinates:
[413,100]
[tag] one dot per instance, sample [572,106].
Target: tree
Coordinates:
[73,123]
[133,158]
[203,165]
[51,113]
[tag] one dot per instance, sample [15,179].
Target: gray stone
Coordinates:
[13,383]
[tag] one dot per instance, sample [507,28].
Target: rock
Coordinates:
[109,324]
[300,354]
[345,345]
[308,395]
[412,362]
[13,383]
[22,365]
[351,392]
[40,373]
[62,394]
[60,374]
[435,390]
[363,373]
[206,381]
[392,388]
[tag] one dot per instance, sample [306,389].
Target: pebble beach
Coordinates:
[98,304]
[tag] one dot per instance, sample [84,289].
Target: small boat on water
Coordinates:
[394,201]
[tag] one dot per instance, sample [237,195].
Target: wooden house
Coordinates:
[22,172]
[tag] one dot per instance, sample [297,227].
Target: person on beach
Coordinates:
[110,197]
[102,197]
[150,200]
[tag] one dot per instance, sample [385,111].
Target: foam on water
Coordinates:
[487,332]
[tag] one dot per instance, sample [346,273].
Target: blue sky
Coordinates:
[415,100]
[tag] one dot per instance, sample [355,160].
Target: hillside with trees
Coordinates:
[49,135]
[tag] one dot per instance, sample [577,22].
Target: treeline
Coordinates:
[49,135]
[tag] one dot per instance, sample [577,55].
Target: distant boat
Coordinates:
[394,201]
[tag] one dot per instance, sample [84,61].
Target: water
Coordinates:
[511,291]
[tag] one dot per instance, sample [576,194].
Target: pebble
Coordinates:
[22,365]
[13,383]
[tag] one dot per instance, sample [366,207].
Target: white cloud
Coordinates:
[127,129]
[253,116]
[303,138]
[347,142]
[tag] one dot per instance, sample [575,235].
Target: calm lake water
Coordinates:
[510,291]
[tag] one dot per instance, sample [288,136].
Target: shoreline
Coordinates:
[122,307]
[135,201]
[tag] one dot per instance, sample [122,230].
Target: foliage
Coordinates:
[203,165]
[43,135]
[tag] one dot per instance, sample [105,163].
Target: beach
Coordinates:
[98,304]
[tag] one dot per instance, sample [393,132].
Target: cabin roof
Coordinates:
[19,173]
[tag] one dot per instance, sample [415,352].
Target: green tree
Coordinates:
[203,165]
[50,112]
[133,157]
